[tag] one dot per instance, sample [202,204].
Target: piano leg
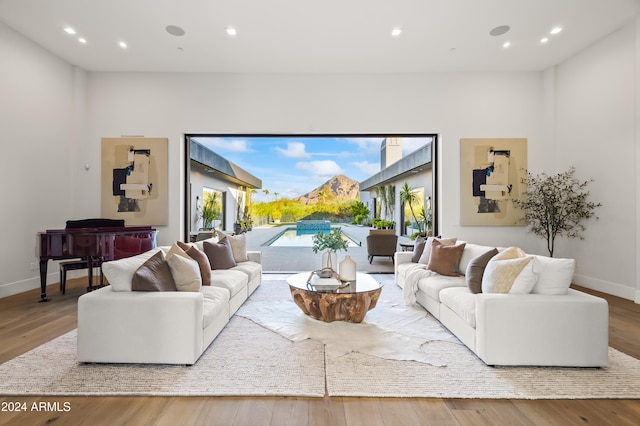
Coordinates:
[43,281]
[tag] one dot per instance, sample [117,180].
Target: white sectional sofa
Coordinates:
[564,327]
[117,325]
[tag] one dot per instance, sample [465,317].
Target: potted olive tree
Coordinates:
[556,206]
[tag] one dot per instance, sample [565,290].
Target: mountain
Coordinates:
[337,187]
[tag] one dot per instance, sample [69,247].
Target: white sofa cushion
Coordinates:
[555,275]
[232,280]
[461,301]
[120,272]
[215,299]
[510,271]
[251,269]
[433,284]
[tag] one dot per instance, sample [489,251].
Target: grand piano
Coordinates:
[95,240]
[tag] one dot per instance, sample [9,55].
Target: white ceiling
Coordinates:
[316,35]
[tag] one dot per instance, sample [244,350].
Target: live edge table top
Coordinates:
[350,303]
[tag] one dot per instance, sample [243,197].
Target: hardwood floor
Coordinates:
[26,324]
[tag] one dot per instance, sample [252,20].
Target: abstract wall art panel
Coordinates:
[492,173]
[135,180]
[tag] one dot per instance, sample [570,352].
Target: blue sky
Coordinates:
[293,166]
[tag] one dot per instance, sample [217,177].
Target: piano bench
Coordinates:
[74,265]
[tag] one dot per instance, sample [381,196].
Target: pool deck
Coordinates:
[300,259]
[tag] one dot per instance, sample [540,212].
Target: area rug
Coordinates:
[244,360]
[248,359]
[448,369]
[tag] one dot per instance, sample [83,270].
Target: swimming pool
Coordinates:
[291,237]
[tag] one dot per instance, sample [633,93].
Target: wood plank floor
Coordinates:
[26,324]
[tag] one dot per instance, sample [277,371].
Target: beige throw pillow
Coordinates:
[511,271]
[426,253]
[201,258]
[185,272]
[238,245]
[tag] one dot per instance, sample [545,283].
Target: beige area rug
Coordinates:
[447,370]
[247,359]
[244,360]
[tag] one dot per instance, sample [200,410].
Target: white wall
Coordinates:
[454,105]
[41,99]
[596,131]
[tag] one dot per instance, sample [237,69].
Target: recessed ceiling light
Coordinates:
[123,44]
[231,31]
[544,40]
[502,29]
[174,30]
[69,30]
[396,32]
[555,31]
[82,40]
[506,44]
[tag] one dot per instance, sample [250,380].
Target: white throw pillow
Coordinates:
[555,275]
[510,271]
[185,272]
[120,272]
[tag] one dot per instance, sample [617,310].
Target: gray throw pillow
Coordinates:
[418,248]
[220,254]
[153,275]
[475,271]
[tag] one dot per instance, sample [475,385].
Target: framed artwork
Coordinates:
[135,180]
[492,173]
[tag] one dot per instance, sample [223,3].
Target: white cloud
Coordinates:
[218,144]
[366,145]
[326,168]
[367,168]
[294,150]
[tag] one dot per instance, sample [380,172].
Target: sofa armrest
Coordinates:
[399,258]
[536,329]
[149,327]
[255,256]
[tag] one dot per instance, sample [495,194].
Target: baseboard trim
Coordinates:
[614,289]
[10,289]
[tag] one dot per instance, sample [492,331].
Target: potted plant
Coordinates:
[409,196]
[329,242]
[210,210]
[556,206]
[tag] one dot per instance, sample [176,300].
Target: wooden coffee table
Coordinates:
[350,303]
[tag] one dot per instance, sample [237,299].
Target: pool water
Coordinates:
[290,237]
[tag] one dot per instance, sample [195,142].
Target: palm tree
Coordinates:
[407,196]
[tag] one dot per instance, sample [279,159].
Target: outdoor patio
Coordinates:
[299,259]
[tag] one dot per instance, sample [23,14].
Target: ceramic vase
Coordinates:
[347,269]
[329,260]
